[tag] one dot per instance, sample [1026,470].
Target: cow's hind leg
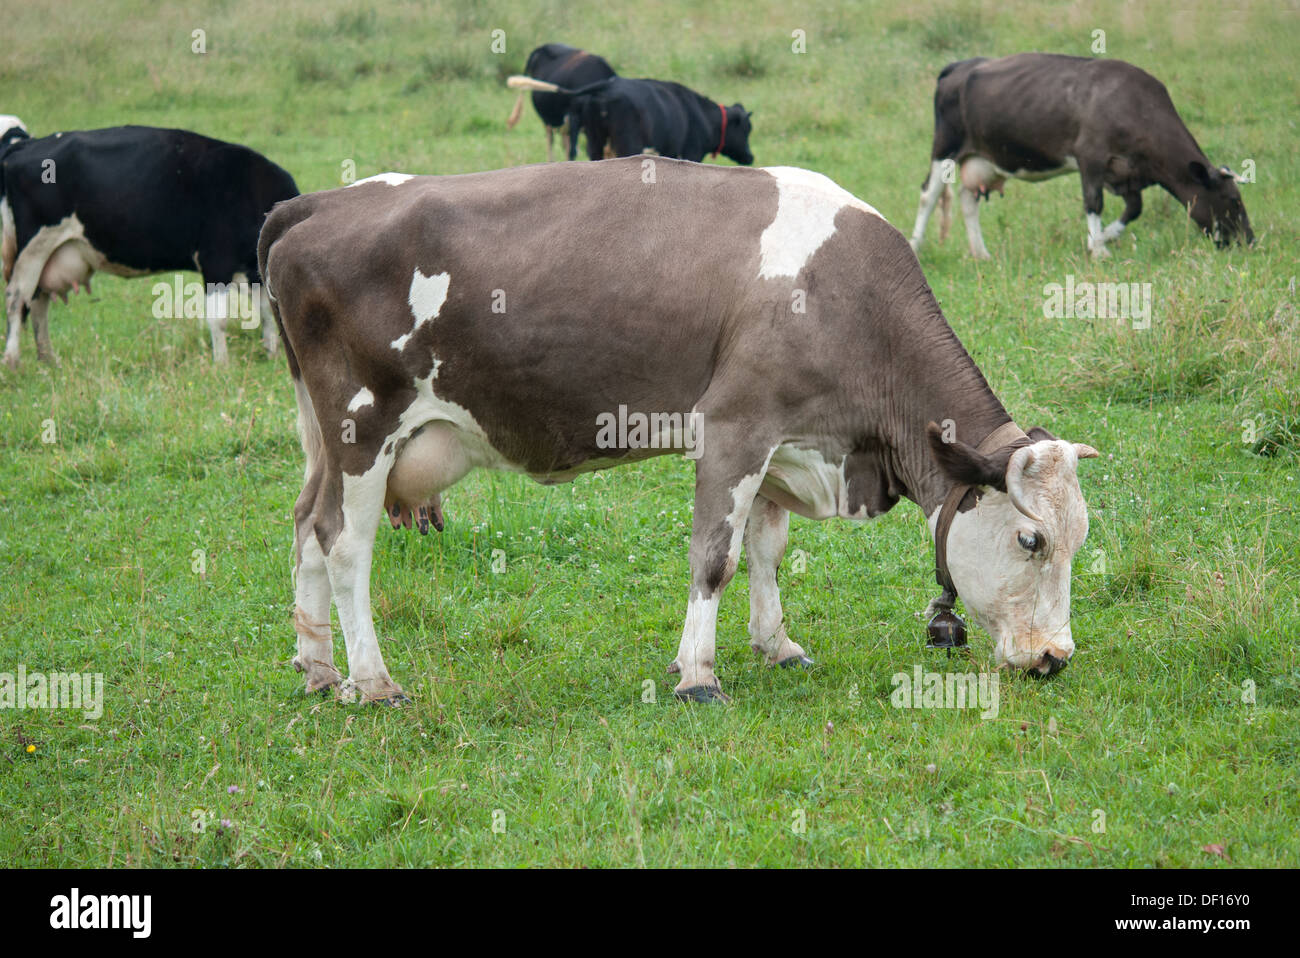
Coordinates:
[348,563]
[766,534]
[40,319]
[311,613]
[15,311]
[930,194]
[970,211]
[216,310]
[727,478]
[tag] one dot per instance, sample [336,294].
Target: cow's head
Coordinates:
[735,145]
[1009,557]
[1216,205]
[12,129]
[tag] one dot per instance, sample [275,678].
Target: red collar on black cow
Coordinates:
[723,138]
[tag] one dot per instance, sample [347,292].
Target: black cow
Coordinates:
[652,116]
[564,66]
[1033,116]
[132,200]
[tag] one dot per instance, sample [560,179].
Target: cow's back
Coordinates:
[551,293]
[148,198]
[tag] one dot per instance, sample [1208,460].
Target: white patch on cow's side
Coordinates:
[391,179]
[426,296]
[364,397]
[807,204]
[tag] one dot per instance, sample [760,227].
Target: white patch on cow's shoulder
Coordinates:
[364,397]
[810,485]
[807,204]
[392,179]
[426,296]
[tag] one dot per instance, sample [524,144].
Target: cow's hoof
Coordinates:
[796,661]
[702,693]
[393,700]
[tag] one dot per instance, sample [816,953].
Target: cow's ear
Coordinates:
[1207,176]
[1038,434]
[965,463]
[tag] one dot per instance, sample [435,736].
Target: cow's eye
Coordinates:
[1029,541]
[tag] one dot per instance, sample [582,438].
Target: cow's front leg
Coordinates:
[1132,210]
[766,534]
[348,564]
[216,310]
[725,486]
[1093,200]
[970,211]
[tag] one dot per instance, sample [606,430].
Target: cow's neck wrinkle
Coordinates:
[942,382]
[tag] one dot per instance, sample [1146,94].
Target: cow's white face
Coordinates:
[1010,556]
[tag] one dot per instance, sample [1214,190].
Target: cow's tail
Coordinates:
[945,211]
[520,82]
[309,432]
[517,112]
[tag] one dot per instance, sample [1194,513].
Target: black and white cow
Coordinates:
[796,354]
[564,66]
[131,200]
[1034,116]
[632,117]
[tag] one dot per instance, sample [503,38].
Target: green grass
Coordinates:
[528,684]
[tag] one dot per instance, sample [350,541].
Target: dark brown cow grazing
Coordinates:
[1034,116]
[763,321]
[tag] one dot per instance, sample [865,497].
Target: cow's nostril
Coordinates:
[1050,664]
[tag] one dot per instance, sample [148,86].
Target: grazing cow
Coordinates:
[765,321]
[632,117]
[1034,116]
[131,200]
[563,66]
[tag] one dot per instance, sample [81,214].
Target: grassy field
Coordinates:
[1172,739]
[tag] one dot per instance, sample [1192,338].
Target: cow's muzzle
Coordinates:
[1051,662]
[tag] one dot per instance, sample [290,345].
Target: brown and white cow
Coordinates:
[450,323]
[1034,116]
